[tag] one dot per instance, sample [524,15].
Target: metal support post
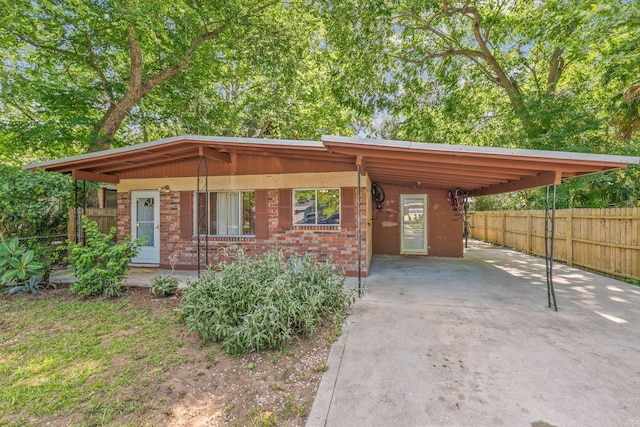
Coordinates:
[80,208]
[549,240]
[359,225]
[84,210]
[202,188]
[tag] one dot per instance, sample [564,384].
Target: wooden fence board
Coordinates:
[106,218]
[604,240]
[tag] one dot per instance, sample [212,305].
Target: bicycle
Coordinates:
[378,195]
[459,201]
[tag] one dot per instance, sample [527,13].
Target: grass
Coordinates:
[88,360]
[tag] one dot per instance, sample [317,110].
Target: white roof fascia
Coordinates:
[471,149]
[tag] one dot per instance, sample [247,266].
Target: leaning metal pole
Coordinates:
[78,231]
[84,211]
[76,235]
[359,225]
[203,187]
[549,240]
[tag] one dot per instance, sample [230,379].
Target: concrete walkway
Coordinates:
[450,342]
[138,276]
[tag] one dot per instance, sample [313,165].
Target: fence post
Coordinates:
[485,231]
[504,228]
[529,244]
[569,230]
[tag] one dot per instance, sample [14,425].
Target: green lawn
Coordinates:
[85,362]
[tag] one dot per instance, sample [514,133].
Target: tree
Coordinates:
[522,61]
[527,74]
[84,75]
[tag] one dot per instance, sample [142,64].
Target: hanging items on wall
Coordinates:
[378,195]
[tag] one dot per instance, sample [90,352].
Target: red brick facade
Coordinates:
[339,243]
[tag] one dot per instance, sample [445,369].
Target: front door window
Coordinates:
[145,221]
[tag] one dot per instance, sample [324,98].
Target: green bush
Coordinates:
[256,303]
[33,203]
[101,265]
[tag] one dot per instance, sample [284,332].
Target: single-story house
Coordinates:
[193,196]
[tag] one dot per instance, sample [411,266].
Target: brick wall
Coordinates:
[341,244]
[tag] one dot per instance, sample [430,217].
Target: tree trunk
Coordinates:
[103,132]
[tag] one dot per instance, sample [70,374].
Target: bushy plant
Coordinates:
[33,203]
[164,285]
[101,265]
[33,285]
[19,268]
[255,303]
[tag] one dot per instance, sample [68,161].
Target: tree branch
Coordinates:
[101,75]
[556,66]
[24,111]
[184,60]
[511,87]
[81,58]
[135,59]
[448,53]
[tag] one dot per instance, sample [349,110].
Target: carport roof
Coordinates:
[481,170]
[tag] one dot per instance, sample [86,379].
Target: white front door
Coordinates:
[145,222]
[413,237]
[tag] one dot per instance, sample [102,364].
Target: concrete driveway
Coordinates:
[437,342]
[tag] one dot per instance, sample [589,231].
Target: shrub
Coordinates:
[164,285]
[101,265]
[257,303]
[19,268]
[33,203]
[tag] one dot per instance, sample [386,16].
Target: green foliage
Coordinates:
[69,73]
[33,203]
[543,75]
[18,267]
[101,265]
[33,285]
[164,285]
[257,303]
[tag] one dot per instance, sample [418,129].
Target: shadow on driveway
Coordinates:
[439,341]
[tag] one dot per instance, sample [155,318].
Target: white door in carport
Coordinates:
[413,237]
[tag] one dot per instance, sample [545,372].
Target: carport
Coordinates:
[477,171]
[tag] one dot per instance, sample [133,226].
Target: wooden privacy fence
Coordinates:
[106,218]
[604,240]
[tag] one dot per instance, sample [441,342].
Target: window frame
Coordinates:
[317,190]
[240,194]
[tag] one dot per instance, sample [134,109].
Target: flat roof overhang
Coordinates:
[480,170]
[105,166]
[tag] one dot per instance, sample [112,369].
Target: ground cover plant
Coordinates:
[71,360]
[253,303]
[19,268]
